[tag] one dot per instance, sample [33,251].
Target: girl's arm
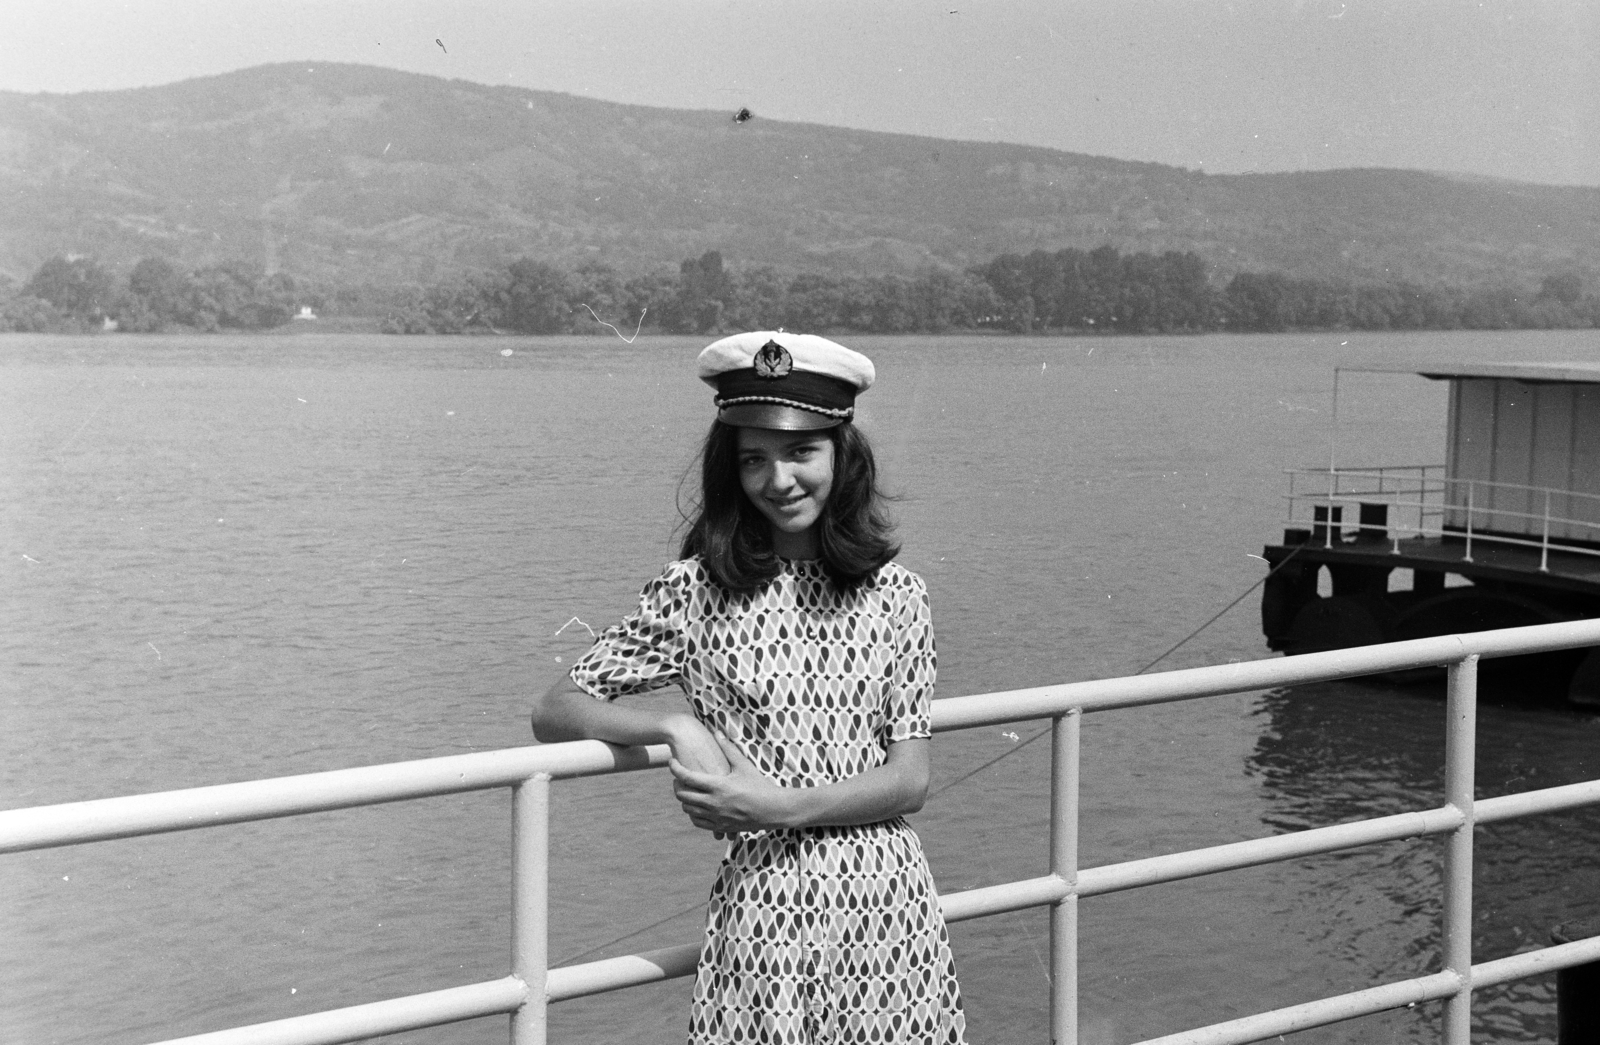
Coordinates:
[745,800]
[566,712]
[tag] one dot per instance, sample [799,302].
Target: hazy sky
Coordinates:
[1500,88]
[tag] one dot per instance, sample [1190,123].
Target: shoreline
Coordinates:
[368,326]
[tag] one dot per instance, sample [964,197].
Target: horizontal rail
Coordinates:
[1527,803]
[1558,545]
[652,966]
[1555,544]
[1391,497]
[628,970]
[1379,469]
[73,823]
[1003,898]
[1427,508]
[635,970]
[1536,963]
[1441,508]
[1440,483]
[1496,484]
[109,818]
[1318,1013]
[357,1022]
[1561,544]
[1387,996]
[162,811]
[1254,852]
[1215,680]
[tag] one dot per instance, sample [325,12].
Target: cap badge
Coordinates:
[773,361]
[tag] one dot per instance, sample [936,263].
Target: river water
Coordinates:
[225,558]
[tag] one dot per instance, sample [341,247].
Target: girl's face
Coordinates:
[787,476]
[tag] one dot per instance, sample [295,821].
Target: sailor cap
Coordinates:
[790,382]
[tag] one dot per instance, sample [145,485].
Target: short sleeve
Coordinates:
[645,650]
[908,714]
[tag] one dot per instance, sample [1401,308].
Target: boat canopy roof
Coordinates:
[1563,373]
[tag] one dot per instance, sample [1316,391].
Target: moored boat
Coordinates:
[1505,532]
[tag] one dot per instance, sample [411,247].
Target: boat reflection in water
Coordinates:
[1347,750]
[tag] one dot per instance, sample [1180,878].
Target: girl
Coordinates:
[808,659]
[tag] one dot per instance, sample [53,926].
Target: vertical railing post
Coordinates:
[1461,713]
[1332,489]
[530,904]
[1064,736]
[1544,545]
[1469,521]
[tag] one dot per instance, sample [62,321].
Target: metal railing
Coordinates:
[1426,503]
[531,985]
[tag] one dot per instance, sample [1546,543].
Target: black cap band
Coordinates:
[803,388]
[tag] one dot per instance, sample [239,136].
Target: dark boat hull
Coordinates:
[1325,595]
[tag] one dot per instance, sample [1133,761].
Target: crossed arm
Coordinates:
[566,712]
[717,785]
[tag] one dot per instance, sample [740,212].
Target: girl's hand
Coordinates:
[739,800]
[694,747]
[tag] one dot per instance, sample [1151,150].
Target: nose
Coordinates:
[781,479]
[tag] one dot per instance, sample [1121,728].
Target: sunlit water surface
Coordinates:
[236,557]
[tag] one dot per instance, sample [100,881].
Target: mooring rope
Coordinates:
[637,932]
[1013,749]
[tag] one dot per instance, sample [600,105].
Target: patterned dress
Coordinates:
[818,935]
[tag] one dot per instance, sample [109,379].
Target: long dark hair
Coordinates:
[734,540]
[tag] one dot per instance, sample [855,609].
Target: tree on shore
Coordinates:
[78,288]
[26,314]
[1102,290]
[233,297]
[1064,291]
[70,294]
[704,292]
[533,298]
[156,296]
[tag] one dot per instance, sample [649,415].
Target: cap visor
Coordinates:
[775,416]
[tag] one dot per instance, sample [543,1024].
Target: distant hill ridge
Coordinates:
[351,173]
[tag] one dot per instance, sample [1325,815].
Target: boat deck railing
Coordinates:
[1399,502]
[529,772]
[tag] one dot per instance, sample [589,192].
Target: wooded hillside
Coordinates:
[353,174]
